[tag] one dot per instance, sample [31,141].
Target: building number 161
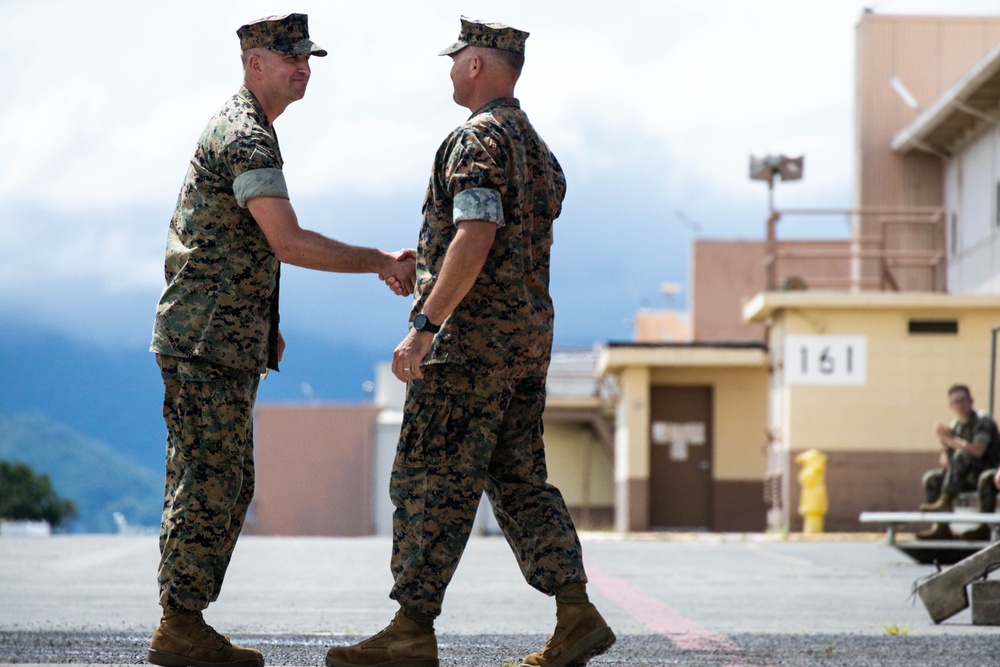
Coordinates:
[818,359]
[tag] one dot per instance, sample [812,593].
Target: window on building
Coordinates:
[933,326]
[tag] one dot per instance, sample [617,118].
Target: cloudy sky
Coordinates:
[652,107]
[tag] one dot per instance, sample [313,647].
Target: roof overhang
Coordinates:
[961,113]
[616,356]
[765,304]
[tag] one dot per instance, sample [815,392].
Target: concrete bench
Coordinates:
[893,520]
[945,593]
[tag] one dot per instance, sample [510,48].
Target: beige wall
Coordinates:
[632,424]
[317,472]
[313,470]
[908,375]
[738,377]
[661,326]
[632,449]
[878,435]
[581,468]
[725,274]
[579,465]
[739,422]
[928,54]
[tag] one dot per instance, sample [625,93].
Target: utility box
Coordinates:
[945,594]
[984,598]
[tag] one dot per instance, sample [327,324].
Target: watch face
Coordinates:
[419,322]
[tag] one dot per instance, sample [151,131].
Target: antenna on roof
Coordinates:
[693,225]
[905,95]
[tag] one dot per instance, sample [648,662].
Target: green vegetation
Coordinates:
[895,630]
[27,496]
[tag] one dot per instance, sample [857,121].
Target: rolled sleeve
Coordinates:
[259,183]
[478,204]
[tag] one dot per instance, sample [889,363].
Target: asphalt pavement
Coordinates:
[672,599]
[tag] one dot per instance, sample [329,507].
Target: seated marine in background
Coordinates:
[970,450]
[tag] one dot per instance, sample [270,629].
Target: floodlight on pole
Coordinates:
[766,168]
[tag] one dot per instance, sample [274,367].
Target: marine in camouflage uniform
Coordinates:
[473,414]
[216,332]
[963,470]
[475,419]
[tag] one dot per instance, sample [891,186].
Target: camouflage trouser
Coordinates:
[964,473]
[987,491]
[463,434]
[209,414]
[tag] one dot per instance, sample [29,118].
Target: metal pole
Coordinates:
[771,245]
[993,367]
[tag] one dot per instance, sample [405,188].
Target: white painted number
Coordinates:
[829,360]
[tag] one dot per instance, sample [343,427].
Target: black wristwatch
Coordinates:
[422,323]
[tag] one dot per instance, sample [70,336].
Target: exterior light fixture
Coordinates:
[766,168]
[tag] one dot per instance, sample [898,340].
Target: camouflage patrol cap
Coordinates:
[288,34]
[488,36]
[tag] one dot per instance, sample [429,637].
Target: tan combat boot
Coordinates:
[980,533]
[944,503]
[939,531]
[403,643]
[580,634]
[183,639]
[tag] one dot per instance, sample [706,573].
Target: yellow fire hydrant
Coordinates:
[813,501]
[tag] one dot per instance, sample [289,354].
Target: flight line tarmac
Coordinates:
[672,599]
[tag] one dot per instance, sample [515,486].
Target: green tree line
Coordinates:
[25,495]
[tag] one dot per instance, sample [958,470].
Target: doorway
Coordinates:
[680,470]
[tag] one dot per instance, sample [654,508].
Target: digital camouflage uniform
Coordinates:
[475,420]
[966,472]
[215,332]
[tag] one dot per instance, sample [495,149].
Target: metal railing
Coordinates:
[906,252]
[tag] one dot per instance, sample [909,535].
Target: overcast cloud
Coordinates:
[652,107]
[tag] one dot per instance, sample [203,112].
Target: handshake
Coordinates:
[401,276]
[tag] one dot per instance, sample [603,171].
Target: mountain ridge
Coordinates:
[87,471]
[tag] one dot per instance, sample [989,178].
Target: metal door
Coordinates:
[680,471]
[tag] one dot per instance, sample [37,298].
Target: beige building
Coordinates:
[689,436]
[959,130]
[903,65]
[927,55]
[579,437]
[883,287]
[917,338]
[697,421]
[324,469]
[862,377]
[578,442]
[725,274]
[314,470]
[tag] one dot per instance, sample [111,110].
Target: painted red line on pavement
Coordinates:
[682,631]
